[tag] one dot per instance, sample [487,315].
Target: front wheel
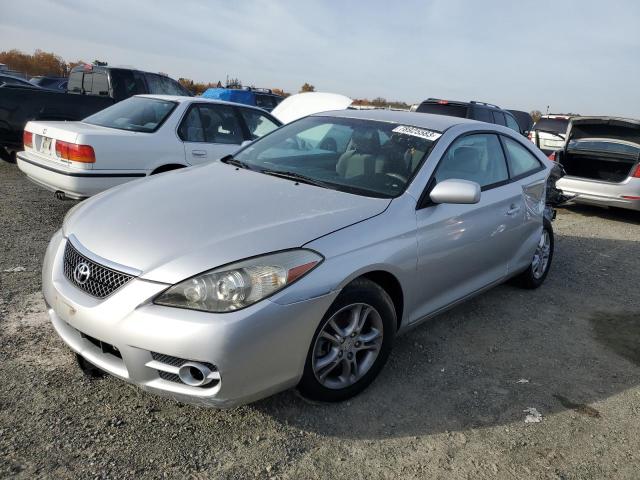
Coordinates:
[535,275]
[351,344]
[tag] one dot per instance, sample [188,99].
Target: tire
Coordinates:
[88,368]
[367,301]
[532,278]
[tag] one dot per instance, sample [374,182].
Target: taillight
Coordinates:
[636,173]
[75,152]
[27,139]
[552,156]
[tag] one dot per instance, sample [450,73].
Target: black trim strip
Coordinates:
[96,175]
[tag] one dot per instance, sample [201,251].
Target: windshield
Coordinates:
[364,157]
[138,114]
[556,125]
[606,146]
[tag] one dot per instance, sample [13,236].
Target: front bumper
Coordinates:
[605,194]
[75,183]
[257,351]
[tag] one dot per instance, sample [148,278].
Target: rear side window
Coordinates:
[511,123]
[258,124]
[482,114]
[450,109]
[478,158]
[265,101]
[498,118]
[126,83]
[211,124]
[521,161]
[190,129]
[161,85]
[556,125]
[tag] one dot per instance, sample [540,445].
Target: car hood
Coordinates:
[605,128]
[177,224]
[304,104]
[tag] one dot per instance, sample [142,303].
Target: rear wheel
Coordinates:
[351,344]
[535,275]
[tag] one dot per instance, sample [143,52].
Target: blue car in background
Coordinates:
[259,97]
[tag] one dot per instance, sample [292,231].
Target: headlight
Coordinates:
[240,284]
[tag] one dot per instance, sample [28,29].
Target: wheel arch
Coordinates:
[167,168]
[390,284]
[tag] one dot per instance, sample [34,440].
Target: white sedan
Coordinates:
[140,136]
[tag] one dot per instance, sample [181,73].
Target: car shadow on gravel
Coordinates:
[568,345]
[615,214]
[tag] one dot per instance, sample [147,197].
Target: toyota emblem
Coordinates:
[81,273]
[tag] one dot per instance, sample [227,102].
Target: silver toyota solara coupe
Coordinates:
[297,261]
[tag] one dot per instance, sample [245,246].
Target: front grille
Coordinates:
[104,346]
[101,282]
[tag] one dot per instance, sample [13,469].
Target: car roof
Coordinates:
[425,120]
[182,99]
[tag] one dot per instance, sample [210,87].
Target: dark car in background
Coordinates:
[482,111]
[90,89]
[524,119]
[50,83]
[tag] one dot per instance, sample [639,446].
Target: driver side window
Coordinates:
[477,157]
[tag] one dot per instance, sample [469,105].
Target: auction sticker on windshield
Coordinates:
[417,132]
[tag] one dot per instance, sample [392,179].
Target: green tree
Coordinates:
[307,87]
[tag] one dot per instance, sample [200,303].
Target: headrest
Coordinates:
[466,159]
[365,141]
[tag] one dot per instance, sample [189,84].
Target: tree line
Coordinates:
[50,64]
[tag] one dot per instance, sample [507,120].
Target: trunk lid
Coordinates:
[305,104]
[46,134]
[611,128]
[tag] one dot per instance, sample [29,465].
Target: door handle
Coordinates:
[513,209]
[199,153]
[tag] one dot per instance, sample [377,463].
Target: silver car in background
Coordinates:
[298,260]
[601,159]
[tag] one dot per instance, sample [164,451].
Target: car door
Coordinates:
[528,176]
[464,248]
[210,131]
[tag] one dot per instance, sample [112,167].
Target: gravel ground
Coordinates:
[449,404]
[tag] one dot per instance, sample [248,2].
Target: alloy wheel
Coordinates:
[347,346]
[541,256]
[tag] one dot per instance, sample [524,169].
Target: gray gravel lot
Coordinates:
[447,405]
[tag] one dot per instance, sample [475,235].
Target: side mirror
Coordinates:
[455,191]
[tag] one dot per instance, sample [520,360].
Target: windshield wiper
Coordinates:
[298,178]
[229,160]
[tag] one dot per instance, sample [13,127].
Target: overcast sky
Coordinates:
[576,56]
